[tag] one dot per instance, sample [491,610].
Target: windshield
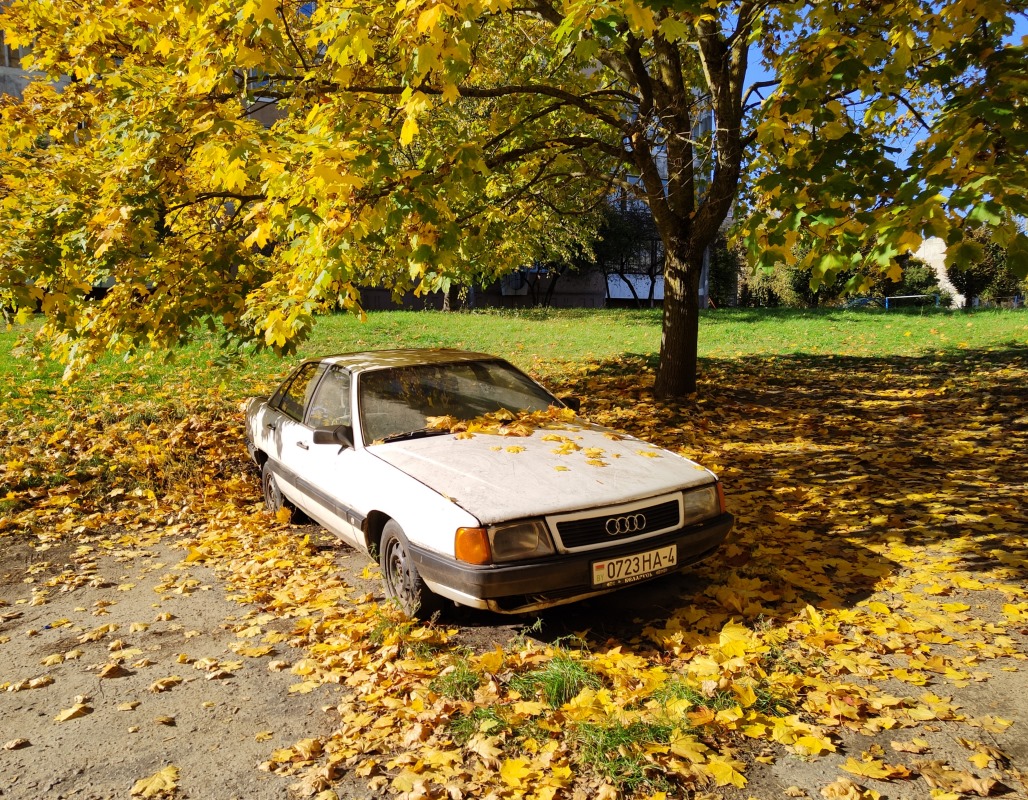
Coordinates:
[396,403]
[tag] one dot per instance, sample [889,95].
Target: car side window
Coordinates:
[330,404]
[294,398]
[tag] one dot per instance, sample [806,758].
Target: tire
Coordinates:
[400,576]
[274,500]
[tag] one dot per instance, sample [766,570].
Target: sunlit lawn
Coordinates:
[545,341]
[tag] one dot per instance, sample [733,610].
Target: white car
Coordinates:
[468,480]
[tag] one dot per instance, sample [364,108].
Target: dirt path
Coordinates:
[156,659]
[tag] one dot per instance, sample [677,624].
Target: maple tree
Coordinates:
[419,143]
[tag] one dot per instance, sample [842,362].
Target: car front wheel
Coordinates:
[400,575]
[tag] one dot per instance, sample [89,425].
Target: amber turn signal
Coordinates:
[721,497]
[471,545]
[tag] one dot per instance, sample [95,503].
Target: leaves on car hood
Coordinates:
[546,470]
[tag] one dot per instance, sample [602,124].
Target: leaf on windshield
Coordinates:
[506,423]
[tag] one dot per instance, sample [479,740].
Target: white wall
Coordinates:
[933,252]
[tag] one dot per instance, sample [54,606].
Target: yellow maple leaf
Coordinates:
[873,768]
[513,771]
[256,651]
[528,708]
[76,711]
[162,783]
[689,747]
[813,745]
[164,684]
[845,789]
[725,772]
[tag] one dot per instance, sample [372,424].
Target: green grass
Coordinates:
[482,719]
[459,682]
[616,752]
[559,680]
[547,342]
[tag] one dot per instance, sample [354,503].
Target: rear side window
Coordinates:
[294,396]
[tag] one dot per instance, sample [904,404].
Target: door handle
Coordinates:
[271,426]
[303,445]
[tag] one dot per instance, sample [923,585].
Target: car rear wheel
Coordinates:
[400,575]
[274,500]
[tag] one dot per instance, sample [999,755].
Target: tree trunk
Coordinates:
[631,288]
[676,374]
[555,275]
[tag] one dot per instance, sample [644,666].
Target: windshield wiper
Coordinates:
[420,433]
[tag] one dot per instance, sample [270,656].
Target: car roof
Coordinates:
[404,357]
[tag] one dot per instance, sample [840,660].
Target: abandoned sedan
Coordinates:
[467,480]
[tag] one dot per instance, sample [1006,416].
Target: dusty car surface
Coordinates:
[468,480]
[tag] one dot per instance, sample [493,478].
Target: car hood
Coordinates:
[499,478]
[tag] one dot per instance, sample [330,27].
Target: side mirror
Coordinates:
[574,403]
[341,435]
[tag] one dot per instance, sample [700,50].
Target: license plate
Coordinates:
[627,569]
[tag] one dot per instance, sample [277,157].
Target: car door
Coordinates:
[286,439]
[328,482]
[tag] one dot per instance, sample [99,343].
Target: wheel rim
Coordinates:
[272,494]
[398,573]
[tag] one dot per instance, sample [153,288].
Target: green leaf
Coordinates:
[963,254]
[987,213]
[1017,256]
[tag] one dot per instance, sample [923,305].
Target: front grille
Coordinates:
[593,530]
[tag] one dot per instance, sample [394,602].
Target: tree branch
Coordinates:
[204,196]
[909,106]
[755,89]
[292,41]
[571,142]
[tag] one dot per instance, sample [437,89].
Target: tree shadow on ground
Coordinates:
[829,463]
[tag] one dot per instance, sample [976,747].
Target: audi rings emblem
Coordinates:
[632,523]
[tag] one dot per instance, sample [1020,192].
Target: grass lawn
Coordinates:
[547,341]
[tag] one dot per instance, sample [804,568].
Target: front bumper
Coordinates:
[564,577]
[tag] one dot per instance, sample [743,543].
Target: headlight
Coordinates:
[700,504]
[510,541]
[517,540]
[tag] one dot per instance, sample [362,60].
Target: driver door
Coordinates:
[331,470]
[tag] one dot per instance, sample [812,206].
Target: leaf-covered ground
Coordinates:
[872,597]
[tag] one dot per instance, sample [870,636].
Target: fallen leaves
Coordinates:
[114,671]
[845,789]
[30,683]
[75,712]
[162,783]
[940,775]
[165,684]
[873,768]
[870,530]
